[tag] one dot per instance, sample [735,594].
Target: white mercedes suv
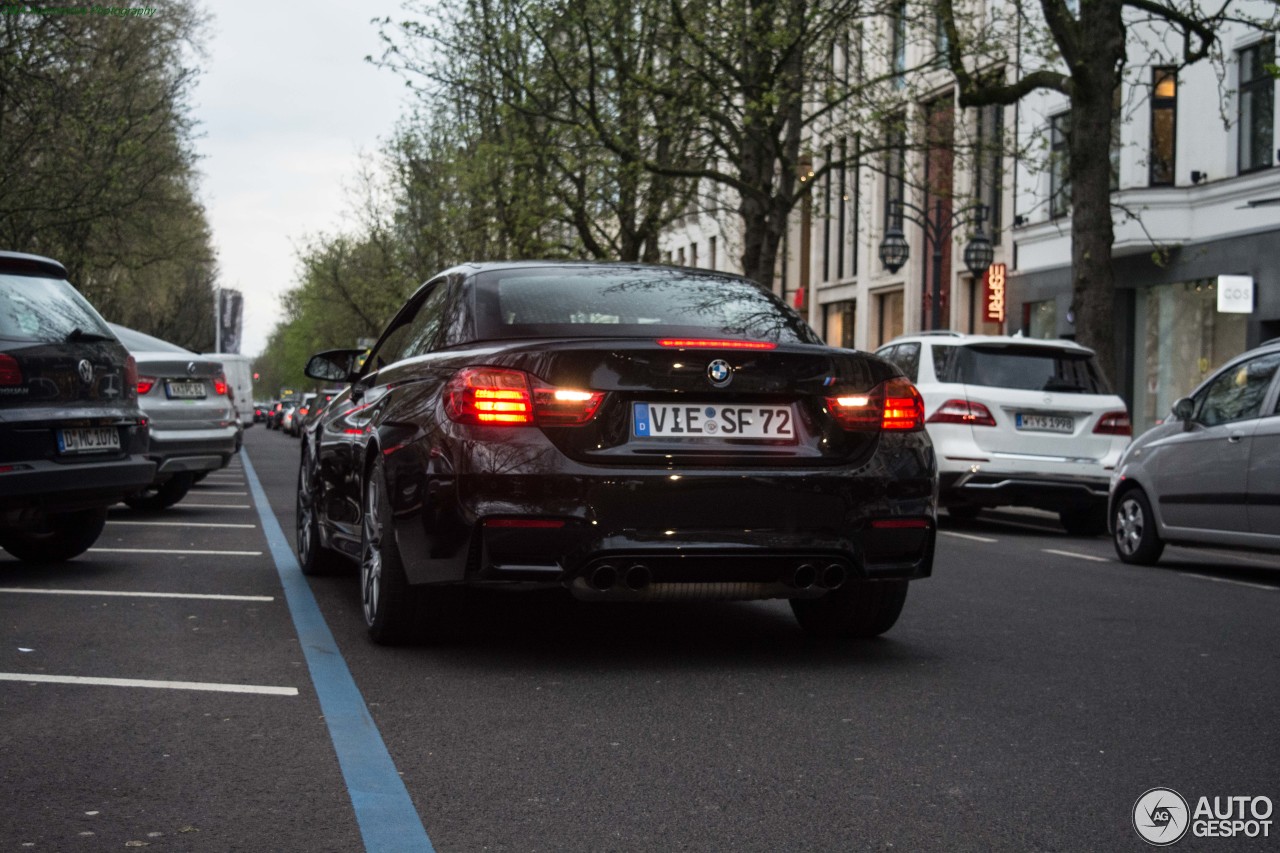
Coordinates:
[1017,422]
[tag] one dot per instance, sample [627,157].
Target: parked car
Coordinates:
[193,425]
[72,438]
[287,415]
[260,411]
[1210,473]
[300,413]
[1017,422]
[625,432]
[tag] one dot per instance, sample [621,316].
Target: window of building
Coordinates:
[895,168]
[898,44]
[711,252]
[680,256]
[693,254]
[1182,338]
[838,323]
[988,173]
[854,203]
[889,316]
[940,41]
[826,219]
[1164,127]
[1256,106]
[1059,163]
[1040,319]
[842,204]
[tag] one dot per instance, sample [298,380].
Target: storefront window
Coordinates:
[839,318]
[890,316]
[1040,319]
[1183,339]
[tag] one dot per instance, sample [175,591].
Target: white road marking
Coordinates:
[31,678]
[969,536]
[1229,580]
[1076,555]
[108,592]
[170,551]
[190,505]
[184,524]
[214,494]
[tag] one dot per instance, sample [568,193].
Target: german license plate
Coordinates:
[88,440]
[184,390]
[711,420]
[1046,423]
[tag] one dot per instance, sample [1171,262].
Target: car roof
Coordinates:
[473,267]
[24,264]
[960,339]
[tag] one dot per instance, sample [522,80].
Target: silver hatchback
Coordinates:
[193,425]
[1210,474]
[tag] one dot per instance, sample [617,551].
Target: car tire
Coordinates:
[391,606]
[855,610]
[62,536]
[164,495]
[1084,521]
[198,476]
[1136,538]
[313,557]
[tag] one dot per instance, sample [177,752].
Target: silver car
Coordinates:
[1210,474]
[193,425]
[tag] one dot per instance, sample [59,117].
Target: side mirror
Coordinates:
[1184,409]
[336,365]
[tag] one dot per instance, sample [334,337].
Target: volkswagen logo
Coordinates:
[720,373]
[85,369]
[191,368]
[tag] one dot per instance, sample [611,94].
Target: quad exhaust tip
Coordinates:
[834,576]
[603,578]
[638,577]
[805,576]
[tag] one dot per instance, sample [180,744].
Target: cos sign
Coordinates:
[994,293]
[1235,294]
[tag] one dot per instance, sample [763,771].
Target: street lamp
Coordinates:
[937,229]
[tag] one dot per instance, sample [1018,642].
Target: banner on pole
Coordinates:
[230,319]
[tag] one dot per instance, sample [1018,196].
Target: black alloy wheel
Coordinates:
[59,537]
[390,604]
[856,610]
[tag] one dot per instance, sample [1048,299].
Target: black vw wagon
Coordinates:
[626,432]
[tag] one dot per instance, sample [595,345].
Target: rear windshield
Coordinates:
[1025,368]
[596,302]
[34,308]
[136,341]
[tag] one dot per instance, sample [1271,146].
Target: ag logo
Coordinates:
[720,373]
[1160,816]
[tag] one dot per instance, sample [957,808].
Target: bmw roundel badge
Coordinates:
[720,373]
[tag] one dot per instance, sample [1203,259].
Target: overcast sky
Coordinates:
[287,106]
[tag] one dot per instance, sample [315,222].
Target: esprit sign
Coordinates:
[994,293]
[1235,294]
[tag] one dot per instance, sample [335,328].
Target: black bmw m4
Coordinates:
[625,432]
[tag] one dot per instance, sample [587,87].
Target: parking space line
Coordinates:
[1230,580]
[216,494]
[174,551]
[968,536]
[1078,556]
[184,524]
[213,687]
[385,813]
[124,594]
[189,505]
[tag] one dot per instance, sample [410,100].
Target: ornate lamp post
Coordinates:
[894,249]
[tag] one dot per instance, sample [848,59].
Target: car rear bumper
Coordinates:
[49,485]
[1042,491]
[176,450]
[746,527]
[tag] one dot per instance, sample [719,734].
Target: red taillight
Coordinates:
[962,412]
[564,406]
[489,395]
[1114,423]
[503,397]
[707,343]
[131,379]
[900,523]
[303,411]
[220,385]
[894,404]
[10,372]
[145,384]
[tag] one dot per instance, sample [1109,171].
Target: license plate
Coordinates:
[1046,423]
[184,390]
[89,440]
[707,420]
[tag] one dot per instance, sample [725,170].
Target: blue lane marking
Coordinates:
[388,821]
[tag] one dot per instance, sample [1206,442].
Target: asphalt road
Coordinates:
[1032,691]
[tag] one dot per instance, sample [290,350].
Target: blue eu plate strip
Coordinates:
[388,821]
[641,419]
